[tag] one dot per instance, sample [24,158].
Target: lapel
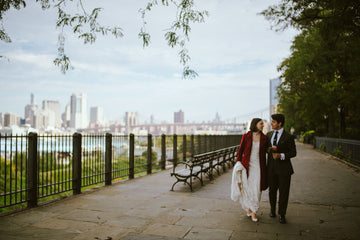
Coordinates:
[270,137]
[282,138]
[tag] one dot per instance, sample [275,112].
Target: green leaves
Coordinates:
[84,25]
[178,33]
[5,5]
[322,71]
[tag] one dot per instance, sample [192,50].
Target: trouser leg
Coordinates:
[284,190]
[273,187]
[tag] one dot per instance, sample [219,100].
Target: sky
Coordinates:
[235,53]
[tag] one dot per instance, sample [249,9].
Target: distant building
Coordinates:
[32,99]
[30,111]
[55,107]
[43,119]
[78,111]
[274,101]
[11,119]
[179,117]
[1,120]
[66,116]
[217,118]
[130,121]
[96,115]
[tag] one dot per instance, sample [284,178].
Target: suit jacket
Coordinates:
[244,152]
[286,145]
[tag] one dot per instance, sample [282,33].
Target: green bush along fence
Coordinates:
[343,148]
[37,167]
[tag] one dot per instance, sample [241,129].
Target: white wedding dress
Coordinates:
[245,189]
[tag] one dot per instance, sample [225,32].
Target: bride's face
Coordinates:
[260,125]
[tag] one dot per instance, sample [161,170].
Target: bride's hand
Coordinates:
[276,155]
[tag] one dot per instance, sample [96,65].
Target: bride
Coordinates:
[249,174]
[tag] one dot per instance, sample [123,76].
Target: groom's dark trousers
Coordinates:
[280,171]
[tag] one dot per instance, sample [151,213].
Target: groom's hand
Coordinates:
[276,155]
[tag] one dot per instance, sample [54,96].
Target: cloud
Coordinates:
[235,54]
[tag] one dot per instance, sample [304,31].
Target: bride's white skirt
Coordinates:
[246,190]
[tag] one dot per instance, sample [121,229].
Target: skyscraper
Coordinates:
[30,111]
[78,111]
[66,116]
[32,101]
[55,107]
[179,117]
[10,119]
[1,120]
[96,115]
[274,101]
[130,121]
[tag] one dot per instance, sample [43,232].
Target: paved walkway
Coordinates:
[324,204]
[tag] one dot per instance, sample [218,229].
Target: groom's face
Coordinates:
[275,124]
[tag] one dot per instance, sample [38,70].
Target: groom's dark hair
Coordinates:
[280,118]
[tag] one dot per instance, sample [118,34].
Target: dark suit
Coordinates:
[280,171]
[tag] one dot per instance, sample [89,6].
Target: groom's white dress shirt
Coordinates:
[280,131]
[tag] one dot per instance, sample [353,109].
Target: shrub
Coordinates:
[338,152]
[322,147]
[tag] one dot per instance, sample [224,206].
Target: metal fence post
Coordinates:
[131,157]
[149,154]
[184,148]
[32,171]
[76,164]
[108,159]
[175,150]
[199,144]
[163,151]
[192,145]
[206,143]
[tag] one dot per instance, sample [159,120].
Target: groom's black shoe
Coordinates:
[272,214]
[282,219]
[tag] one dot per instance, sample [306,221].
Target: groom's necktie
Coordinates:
[275,138]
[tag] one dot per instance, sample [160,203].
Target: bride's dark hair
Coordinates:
[253,124]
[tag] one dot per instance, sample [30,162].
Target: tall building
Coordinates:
[217,118]
[32,99]
[1,120]
[96,115]
[179,117]
[66,116]
[130,121]
[11,119]
[43,119]
[78,111]
[55,107]
[30,111]
[274,101]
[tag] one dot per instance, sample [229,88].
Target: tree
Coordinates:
[321,77]
[85,25]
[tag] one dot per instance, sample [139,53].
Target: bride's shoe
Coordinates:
[254,219]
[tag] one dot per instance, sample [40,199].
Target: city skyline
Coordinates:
[234,52]
[94,114]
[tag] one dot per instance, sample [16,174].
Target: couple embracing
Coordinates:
[254,173]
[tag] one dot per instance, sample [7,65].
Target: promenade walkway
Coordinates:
[324,204]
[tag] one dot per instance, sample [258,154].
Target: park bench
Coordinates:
[204,164]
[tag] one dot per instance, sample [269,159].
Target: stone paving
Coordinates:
[324,204]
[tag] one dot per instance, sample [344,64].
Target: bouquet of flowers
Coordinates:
[272,149]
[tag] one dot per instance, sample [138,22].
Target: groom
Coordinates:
[279,165]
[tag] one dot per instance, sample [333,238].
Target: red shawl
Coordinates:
[244,152]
